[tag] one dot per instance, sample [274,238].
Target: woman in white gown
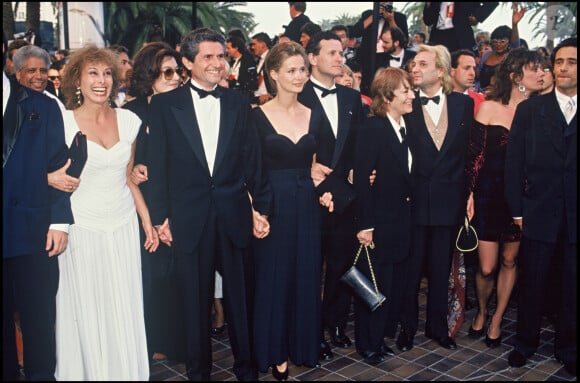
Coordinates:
[100,331]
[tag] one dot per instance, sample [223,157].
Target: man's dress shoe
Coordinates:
[445,342]
[404,341]
[325,352]
[386,350]
[338,337]
[516,359]
[372,358]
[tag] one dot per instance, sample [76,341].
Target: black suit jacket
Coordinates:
[181,186]
[463,32]
[337,153]
[292,30]
[363,55]
[247,76]
[383,61]
[541,169]
[441,191]
[33,146]
[386,205]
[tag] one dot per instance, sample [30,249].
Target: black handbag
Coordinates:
[466,237]
[366,290]
[78,155]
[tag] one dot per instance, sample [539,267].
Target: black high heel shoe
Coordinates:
[476,334]
[279,376]
[492,343]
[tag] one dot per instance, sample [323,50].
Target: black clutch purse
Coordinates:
[342,193]
[466,237]
[78,155]
[367,291]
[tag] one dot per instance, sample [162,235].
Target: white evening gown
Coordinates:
[100,327]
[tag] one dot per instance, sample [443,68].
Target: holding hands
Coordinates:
[261,225]
[139,174]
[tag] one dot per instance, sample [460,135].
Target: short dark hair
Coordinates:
[397,35]
[455,55]
[300,6]
[310,29]
[339,27]
[569,42]
[422,35]
[236,32]
[314,42]
[263,37]
[191,41]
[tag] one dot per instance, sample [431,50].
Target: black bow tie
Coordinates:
[204,93]
[425,100]
[391,57]
[325,92]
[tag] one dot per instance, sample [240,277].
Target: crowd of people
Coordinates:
[231,181]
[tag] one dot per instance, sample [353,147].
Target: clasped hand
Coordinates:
[261,225]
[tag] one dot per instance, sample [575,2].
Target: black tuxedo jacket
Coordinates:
[386,205]
[337,153]
[463,32]
[181,187]
[292,30]
[33,146]
[383,61]
[247,76]
[541,169]
[441,191]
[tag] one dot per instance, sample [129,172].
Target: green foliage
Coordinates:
[344,19]
[132,23]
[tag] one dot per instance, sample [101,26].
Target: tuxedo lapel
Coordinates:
[12,122]
[344,123]
[453,124]
[395,145]
[183,113]
[228,113]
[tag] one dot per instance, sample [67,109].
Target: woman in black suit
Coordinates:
[383,210]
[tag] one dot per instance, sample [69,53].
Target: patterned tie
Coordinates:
[570,110]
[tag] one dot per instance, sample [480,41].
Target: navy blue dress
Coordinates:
[492,219]
[287,314]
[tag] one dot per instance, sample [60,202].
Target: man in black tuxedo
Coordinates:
[541,177]
[439,128]
[396,55]
[297,9]
[35,221]
[451,22]
[204,163]
[243,73]
[334,156]
[364,27]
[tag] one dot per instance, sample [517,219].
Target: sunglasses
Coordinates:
[169,72]
[52,78]
[500,41]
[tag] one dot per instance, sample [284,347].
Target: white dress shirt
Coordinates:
[329,104]
[207,112]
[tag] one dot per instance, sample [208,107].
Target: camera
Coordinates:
[387,7]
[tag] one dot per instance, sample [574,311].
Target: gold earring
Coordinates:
[79,96]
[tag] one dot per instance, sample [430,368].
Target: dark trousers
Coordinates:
[196,275]
[432,245]
[338,251]
[29,286]
[537,259]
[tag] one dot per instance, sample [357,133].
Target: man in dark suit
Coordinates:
[243,74]
[365,27]
[451,22]
[35,221]
[439,129]
[541,177]
[395,55]
[342,108]
[204,164]
[297,9]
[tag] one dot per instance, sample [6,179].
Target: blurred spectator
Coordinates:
[54,78]
[348,53]
[549,79]
[463,75]
[369,45]
[418,39]
[12,48]
[451,22]
[395,55]
[124,66]
[307,31]
[482,47]
[543,51]
[260,47]
[243,75]
[292,30]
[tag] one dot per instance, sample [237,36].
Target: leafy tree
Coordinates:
[133,23]
[344,19]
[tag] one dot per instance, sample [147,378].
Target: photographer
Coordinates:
[371,45]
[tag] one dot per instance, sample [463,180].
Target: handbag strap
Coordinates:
[372,246]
